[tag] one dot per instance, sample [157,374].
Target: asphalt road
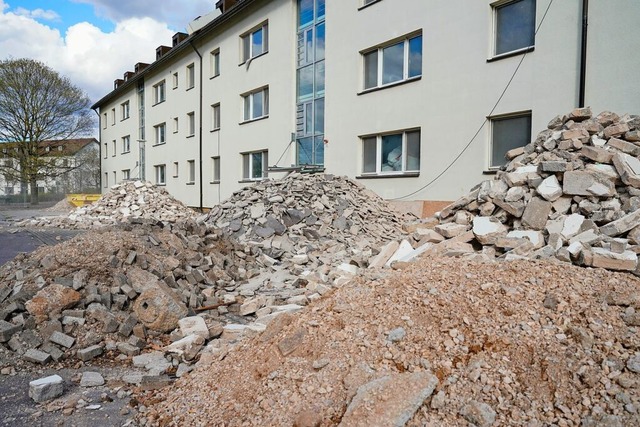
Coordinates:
[14,240]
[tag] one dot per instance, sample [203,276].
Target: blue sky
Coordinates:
[68,13]
[93,42]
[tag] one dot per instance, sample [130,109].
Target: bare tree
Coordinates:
[37,104]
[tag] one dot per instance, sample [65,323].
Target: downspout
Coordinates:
[99,146]
[583,53]
[201,89]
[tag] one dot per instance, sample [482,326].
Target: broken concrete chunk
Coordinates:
[487,229]
[628,168]
[622,225]
[626,261]
[37,356]
[159,308]
[89,353]
[62,339]
[7,330]
[550,188]
[404,394]
[536,213]
[47,388]
[585,183]
[193,325]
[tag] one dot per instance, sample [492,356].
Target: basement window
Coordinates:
[255,165]
[508,132]
[160,174]
[391,154]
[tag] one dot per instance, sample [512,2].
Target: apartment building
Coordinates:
[416,99]
[65,166]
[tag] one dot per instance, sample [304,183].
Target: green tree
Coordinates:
[37,104]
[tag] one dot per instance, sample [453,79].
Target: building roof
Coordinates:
[70,147]
[186,44]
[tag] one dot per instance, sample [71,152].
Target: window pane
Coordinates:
[305,12]
[308,46]
[508,134]
[413,151]
[216,168]
[393,63]
[320,78]
[256,167]
[515,26]
[256,43]
[246,47]
[318,150]
[308,118]
[391,153]
[257,105]
[320,36]
[266,101]
[415,56]
[247,107]
[305,151]
[371,69]
[319,116]
[369,155]
[246,166]
[320,9]
[305,82]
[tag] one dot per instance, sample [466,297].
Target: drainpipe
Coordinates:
[583,53]
[199,124]
[99,146]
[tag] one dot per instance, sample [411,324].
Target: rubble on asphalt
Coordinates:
[126,202]
[571,195]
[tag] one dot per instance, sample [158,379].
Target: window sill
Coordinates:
[191,136]
[160,102]
[191,183]
[189,88]
[490,171]
[126,118]
[126,152]
[174,88]
[214,130]
[252,58]
[400,83]
[395,175]
[160,143]
[213,77]
[512,53]
[214,182]
[254,120]
[369,4]
[174,176]
[161,184]
[175,131]
[248,181]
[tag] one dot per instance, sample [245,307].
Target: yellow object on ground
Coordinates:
[82,199]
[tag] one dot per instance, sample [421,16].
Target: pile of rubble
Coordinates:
[176,286]
[309,220]
[442,342]
[572,194]
[132,200]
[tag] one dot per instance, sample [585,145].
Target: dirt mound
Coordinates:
[130,201]
[62,206]
[522,342]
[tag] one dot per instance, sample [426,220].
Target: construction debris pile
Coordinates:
[123,288]
[573,194]
[132,200]
[443,342]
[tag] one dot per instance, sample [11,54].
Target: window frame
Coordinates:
[176,124]
[176,80]
[379,64]
[366,3]
[404,171]
[191,76]
[246,42]
[159,92]
[248,104]
[126,174]
[191,124]
[105,183]
[247,165]
[191,170]
[503,117]
[214,70]
[215,169]
[114,146]
[176,169]
[495,8]
[215,117]
[126,147]
[158,133]
[106,150]
[158,175]
[125,110]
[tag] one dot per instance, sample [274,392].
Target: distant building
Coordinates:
[72,165]
[391,93]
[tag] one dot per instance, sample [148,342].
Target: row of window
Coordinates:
[125,144]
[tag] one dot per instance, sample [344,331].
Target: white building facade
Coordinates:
[416,99]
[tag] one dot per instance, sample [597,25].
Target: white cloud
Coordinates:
[90,58]
[47,15]
[177,14]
